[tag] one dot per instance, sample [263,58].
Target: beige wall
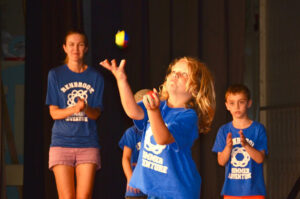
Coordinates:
[283,52]
[280,96]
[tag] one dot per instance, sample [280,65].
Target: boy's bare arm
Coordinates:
[224,156]
[257,156]
[127,168]
[126,163]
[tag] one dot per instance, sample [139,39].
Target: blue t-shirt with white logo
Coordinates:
[132,139]
[243,176]
[168,171]
[64,87]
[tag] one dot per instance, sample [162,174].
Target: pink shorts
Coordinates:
[73,156]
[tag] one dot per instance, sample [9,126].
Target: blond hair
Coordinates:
[138,96]
[201,85]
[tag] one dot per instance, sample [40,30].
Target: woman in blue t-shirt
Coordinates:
[74,97]
[171,121]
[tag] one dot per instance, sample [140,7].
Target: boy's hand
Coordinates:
[151,100]
[243,139]
[229,140]
[117,71]
[133,190]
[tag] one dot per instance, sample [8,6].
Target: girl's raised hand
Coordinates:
[117,71]
[151,100]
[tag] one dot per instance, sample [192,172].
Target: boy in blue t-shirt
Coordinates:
[241,146]
[130,143]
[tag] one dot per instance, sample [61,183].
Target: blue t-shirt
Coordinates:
[243,176]
[132,139]
[168,171]
[64,87]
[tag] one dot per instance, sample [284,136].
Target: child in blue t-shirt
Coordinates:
[241,146]
[130,143]
[171,121]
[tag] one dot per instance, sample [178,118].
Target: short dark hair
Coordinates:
[238,88]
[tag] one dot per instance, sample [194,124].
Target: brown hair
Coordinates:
[201,85]
[238,88]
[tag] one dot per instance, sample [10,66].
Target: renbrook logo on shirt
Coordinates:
[82,93]
[240,159]
[150,160]
[70,85]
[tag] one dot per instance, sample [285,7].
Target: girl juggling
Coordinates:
[171,120]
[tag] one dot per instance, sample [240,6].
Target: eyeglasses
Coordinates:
[179,74]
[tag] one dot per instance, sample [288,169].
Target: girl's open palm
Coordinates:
[117,71]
